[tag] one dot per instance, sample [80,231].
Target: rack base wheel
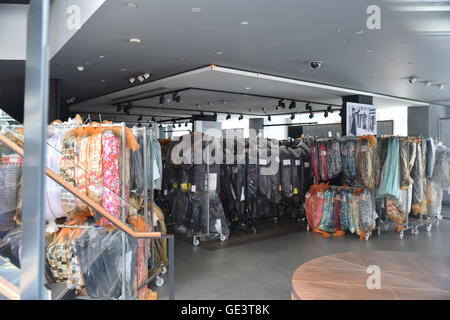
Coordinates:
[416,232]
[164,270]
[159,281]
[307,227]
[223,237]
[379,231]
[366,236]
[413,231]
[196,242]
[401,235]
[429,228]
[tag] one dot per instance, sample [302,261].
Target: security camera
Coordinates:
[315,64]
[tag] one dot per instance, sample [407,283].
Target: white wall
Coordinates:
[13,31]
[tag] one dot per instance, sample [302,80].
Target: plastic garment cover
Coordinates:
[365,151]
[314,206]
[390,179]
[179,205]
[297,170]
[394,210]
[418,174]
[157,183]
[100,258]
[441,171]
[53,199]
[199,211]
[334,161]
[327,223]
[354,205]
[14,238]
[405,199]
[323,166]
[431,157]
[9,185]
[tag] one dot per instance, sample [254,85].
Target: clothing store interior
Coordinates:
[321,129]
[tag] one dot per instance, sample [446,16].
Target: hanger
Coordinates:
[88,119]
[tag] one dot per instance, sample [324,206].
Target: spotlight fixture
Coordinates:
[292,116]
[139,125]
[228,117]
[186,124]
[173,125]
[330,108]
[135,41]
[308,107]
[311,115]
[146,75]
[119,108]
[293,105]
[141,78]
[325,114]
[132,79]
[153,119]
[140,118]
[162,99]
[412,80]
[127,108]
[179,125]
[176,97]
[241,117]
[428,83]
[277,107]
[441,86]
[269,118]
[281,103]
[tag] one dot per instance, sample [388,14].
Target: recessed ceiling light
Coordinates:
[123,69]
[369,50]
[180,59]
[196,9]
[132,5]
[103,81]
[244,22]
[101,57]
[135,40]
[219,53]
[359,32]
[338,31]
[248,88]
[88,63]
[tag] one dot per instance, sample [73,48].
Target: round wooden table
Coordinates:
[344,276]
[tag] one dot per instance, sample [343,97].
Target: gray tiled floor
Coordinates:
[263,269]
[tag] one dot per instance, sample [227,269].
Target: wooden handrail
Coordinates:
[9,290]
[52,175]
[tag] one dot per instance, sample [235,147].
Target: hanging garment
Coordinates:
[406,198]
[419,201]
[405,173]
[354,205]
[365,161]
[111,154]
[327,221]
[441,170]
[348,156]
[366,211]
[334,161]
[315,160]
[390,179]
[286,172]
[67,166]
[10,175]
[323,166]
[137,175]
[95,167]
[394,210]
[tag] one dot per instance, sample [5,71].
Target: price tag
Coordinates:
[297,162]
[287,162]
[165,192]
[295,190]
[306,164]
[193,188]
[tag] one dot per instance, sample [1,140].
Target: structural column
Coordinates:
[35,125]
